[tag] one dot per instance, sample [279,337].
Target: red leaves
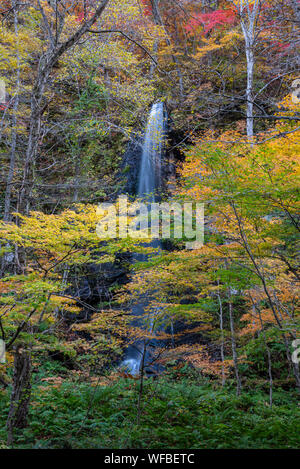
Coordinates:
[210,21]
[84,13]
[147,7]
[80,17]
[281,47]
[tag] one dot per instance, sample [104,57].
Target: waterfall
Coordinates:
[150,170]
[150,179]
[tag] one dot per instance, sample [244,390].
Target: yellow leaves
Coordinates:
[212,45]
[112,54]
[103,320]
[61,302]
[118,54]
[141,91]
[52,242]
[15,51]
[55,236]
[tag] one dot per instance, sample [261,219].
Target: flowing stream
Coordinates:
[150,179]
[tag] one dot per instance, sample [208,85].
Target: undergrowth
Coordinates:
[179,411]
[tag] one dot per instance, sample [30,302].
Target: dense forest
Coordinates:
[115,341]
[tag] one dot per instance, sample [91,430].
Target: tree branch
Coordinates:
[117,31]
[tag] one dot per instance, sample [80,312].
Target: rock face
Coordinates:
[93,285]
[130,167]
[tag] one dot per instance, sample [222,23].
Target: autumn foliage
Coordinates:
[216,327]
[206,22]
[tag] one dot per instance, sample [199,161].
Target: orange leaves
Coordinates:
[5,5]
[55,381]
[252,207]
[198,356]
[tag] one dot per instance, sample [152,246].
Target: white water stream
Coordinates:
[149,183]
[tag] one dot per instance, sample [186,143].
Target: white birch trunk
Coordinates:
[249,12]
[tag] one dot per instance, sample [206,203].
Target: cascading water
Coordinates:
[149,184]
[150,171]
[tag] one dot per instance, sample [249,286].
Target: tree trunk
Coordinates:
[76,178]
[141,387]
[249,90]
[14,124]
[248,16]
[222,337]
[21,392]
[255,307]
[233,344]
